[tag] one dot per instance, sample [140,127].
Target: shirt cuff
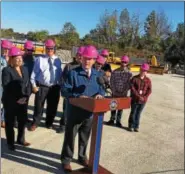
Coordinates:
[34,85]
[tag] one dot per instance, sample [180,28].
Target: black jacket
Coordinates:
[69,67]
[14,86]
[29,63]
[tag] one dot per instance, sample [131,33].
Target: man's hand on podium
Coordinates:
[98,96]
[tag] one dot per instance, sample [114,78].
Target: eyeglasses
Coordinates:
[99,64]
[124,62]
[49,48]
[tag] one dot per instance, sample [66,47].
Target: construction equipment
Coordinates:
[112,59]
[39,47]
[155,67]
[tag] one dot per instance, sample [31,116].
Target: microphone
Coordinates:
[101,81]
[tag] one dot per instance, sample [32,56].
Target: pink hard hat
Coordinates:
[14,51]
[104,52]
[125,59]
[49,43]
[145,67]
[6,44]
[80,50]
[101,60]
[29,45]
[90,52]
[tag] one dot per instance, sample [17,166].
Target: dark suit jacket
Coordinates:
[14,86]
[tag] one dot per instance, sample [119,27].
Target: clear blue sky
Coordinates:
[31,16]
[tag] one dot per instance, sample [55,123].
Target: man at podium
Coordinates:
[81,82]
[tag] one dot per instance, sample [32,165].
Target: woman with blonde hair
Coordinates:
[16,91]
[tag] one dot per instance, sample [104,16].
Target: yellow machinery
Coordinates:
[155,67]
[113,61]
[154,61]
[39,47]
[134,67]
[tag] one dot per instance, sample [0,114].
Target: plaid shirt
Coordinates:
[120,82]
[140,88]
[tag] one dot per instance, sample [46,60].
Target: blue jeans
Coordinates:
[135,114]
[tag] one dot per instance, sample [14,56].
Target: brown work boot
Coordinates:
[84,162]
[32,128]
[24,143]
[2,124]
[67,167]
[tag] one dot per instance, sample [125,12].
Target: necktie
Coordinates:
[51,69]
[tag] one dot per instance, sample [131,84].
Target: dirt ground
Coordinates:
[157,148]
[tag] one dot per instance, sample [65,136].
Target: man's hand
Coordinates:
[141,98]
[35,89]
[22,101]
[98,96]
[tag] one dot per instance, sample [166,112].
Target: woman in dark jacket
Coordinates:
[16,91]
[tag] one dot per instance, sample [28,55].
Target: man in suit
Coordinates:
[46,81]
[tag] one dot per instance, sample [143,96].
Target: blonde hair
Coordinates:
[10,62]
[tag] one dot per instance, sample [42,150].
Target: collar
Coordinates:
[89,70]
[84,72]
[52,57]
[145,77]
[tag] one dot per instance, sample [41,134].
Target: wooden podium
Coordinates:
[98,107]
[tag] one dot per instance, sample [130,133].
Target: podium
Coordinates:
[98,107]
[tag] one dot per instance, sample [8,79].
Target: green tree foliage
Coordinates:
[69,34]
[123,33]
[39,36]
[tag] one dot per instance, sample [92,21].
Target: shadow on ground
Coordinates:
[42,123]
[59,114]
[123,127]
[29,156]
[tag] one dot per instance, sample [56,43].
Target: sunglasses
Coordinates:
[49,48]
[124,62]
[99,64]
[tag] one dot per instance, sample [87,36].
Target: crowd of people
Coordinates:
[43,76]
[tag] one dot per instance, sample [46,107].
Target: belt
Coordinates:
[41,85]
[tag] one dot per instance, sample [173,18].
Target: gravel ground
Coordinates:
[157,148]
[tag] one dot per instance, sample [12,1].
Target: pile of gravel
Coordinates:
[65,55]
